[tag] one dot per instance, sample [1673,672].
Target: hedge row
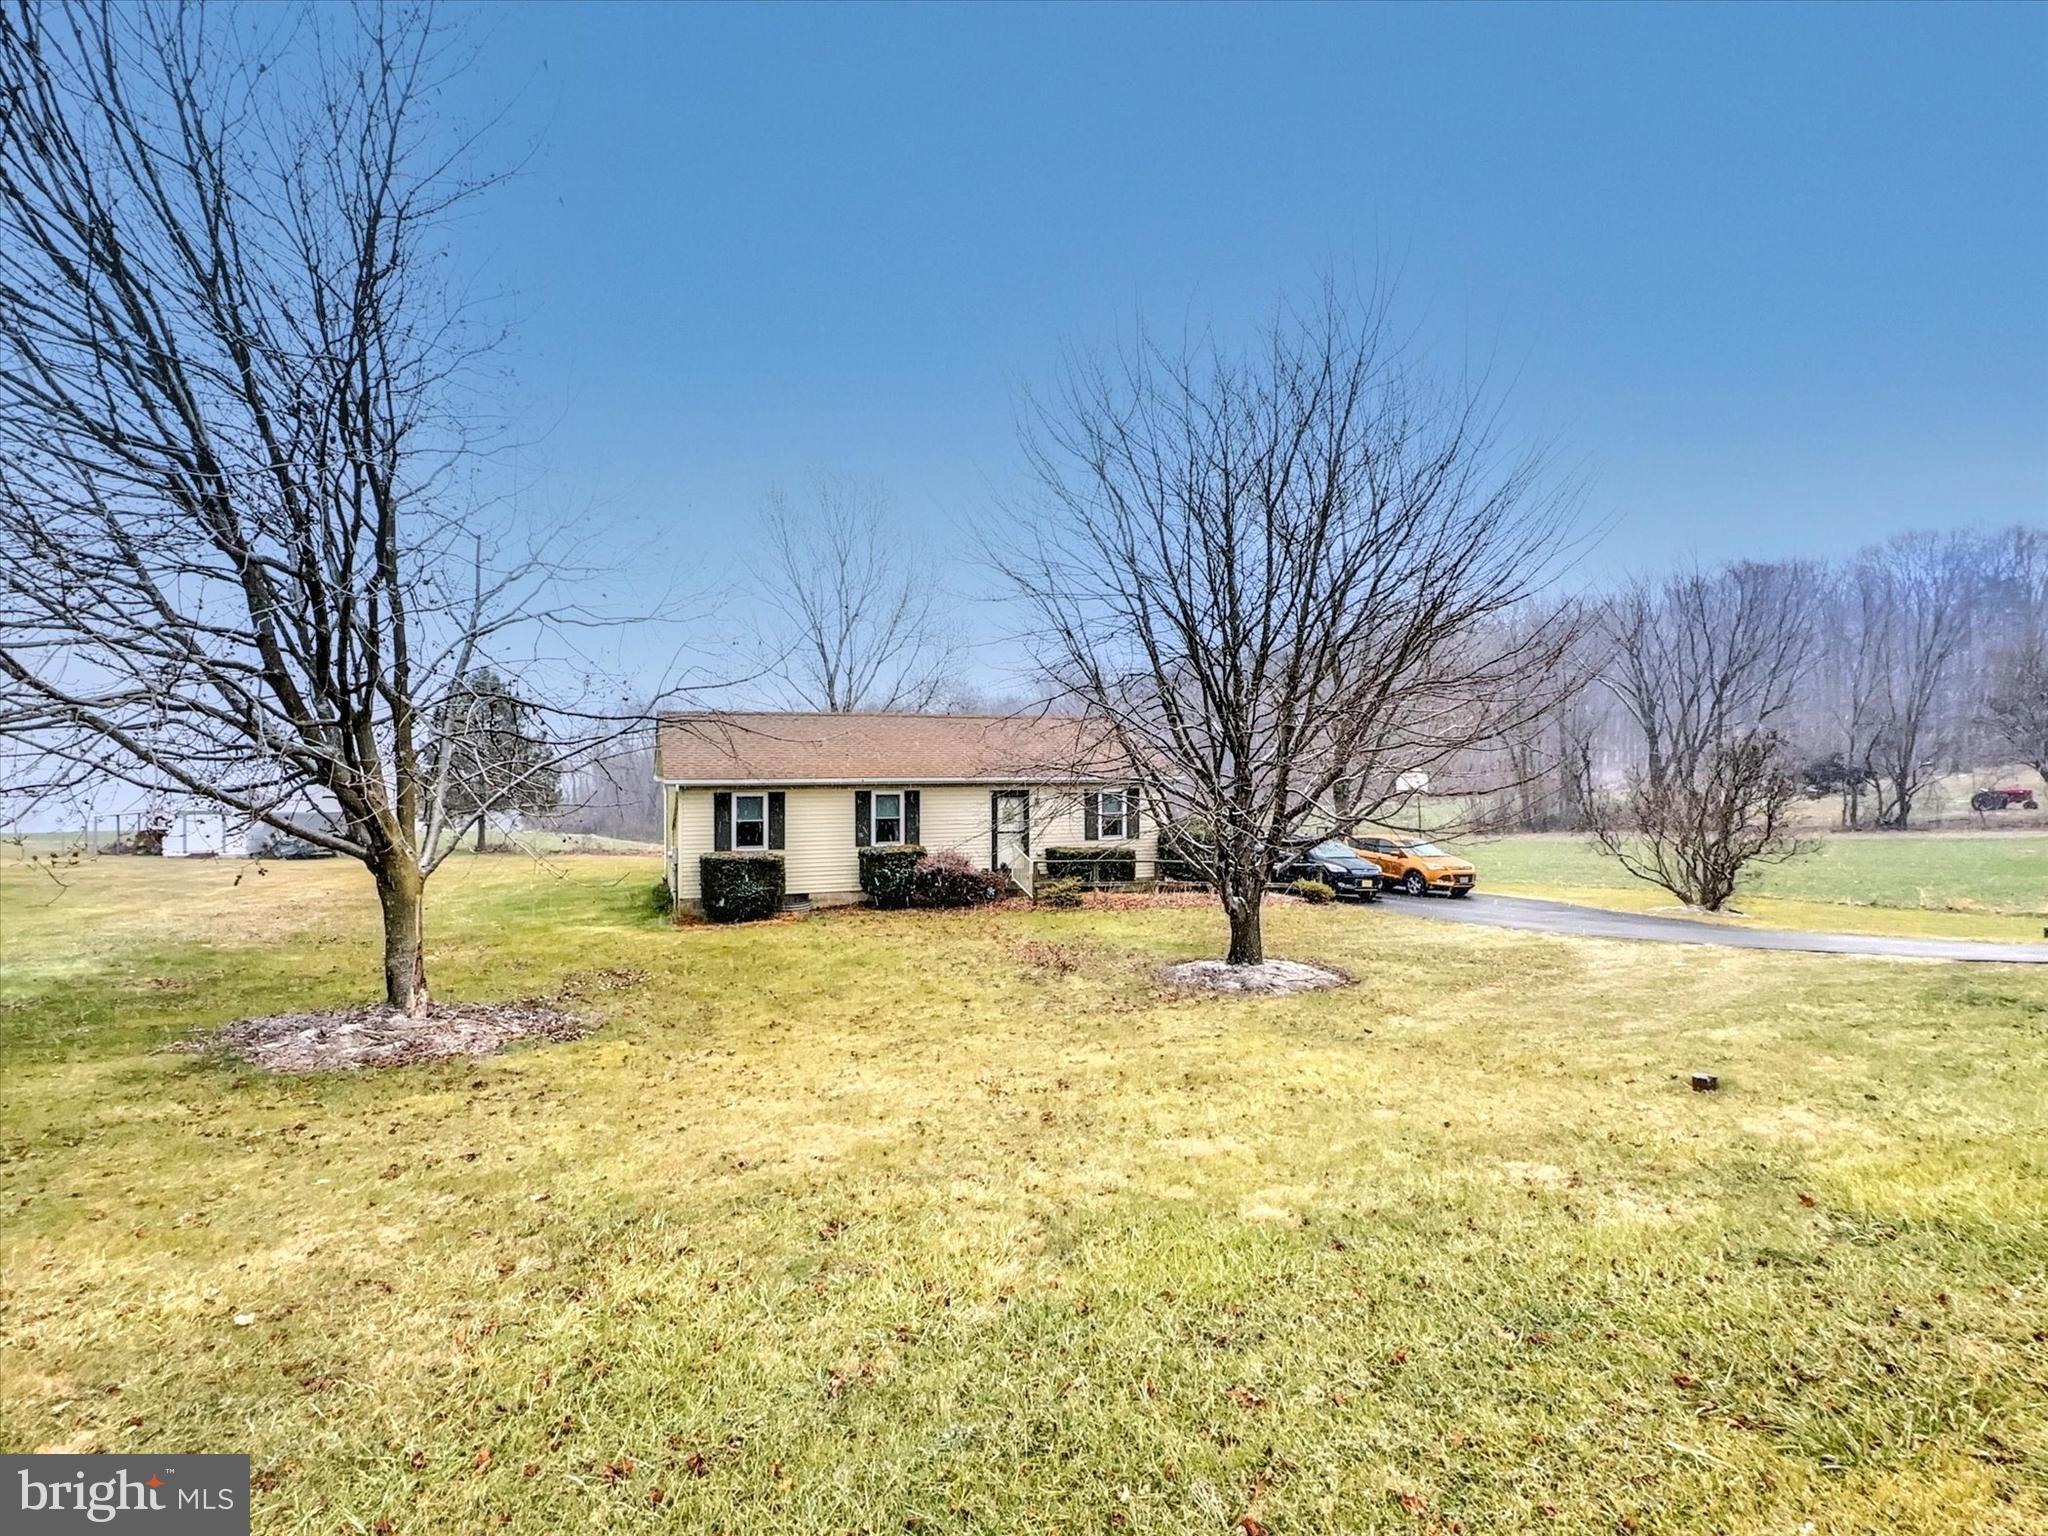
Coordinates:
[885,874]
[740,887]
[1092,866]
[744,887]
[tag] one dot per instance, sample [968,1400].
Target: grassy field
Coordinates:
[1947,885]
[938,1222]
[536,841]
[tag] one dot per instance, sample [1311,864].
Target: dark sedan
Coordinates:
[1338,866]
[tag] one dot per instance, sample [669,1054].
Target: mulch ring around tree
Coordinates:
[1269,978]
[376,1035]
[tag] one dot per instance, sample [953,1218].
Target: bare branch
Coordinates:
[1278,583]
[858,624]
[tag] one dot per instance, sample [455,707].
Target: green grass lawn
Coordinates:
[1959,885]
[955,1222]
[530,841]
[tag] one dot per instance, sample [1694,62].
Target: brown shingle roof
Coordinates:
[719,747]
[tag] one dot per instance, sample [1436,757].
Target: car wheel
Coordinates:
[1415,883]
[1461,891]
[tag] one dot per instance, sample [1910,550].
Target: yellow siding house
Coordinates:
[817,788]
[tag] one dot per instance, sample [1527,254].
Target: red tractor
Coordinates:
[2004,798]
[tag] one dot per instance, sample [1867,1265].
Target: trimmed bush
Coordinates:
[1092,866]
[1062,895]
[740,887]
[885,874]
[946,879]
[1313,890]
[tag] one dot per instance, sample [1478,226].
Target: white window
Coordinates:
[887,825]
[750,821]
[1110,818]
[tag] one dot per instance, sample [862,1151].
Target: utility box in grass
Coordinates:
[740,887]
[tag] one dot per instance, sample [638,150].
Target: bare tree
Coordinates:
[1536,777]
[1263,575]
[1850,683]
[1702,657]
[1701,834]
[2015,707]
[1923,586]
[1702,664]
[614,792]
[860,620]
[241,560]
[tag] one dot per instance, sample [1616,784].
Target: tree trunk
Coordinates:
[1247,942]
[400,892]
[482,821]
[1344,798]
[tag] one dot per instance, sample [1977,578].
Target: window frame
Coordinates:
[1103,818]
[739,798]
[875,818]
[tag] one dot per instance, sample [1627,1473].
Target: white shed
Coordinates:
[196,834]
[190,830]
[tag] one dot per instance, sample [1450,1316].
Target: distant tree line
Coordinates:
[1870,677]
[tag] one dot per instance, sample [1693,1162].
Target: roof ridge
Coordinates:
[853,714]
[789,745]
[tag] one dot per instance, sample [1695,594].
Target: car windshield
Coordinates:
[1427,850]
[1333,849]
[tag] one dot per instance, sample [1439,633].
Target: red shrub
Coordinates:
[946,879]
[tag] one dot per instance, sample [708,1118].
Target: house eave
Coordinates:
[915,780]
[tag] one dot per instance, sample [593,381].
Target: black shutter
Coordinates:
[775,818]
[910,827]
[1091,818]
[860,818]
[1131,813]
[721,822]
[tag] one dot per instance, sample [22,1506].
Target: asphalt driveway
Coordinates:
[1532,915]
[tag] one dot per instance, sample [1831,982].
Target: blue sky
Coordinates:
[1773,279]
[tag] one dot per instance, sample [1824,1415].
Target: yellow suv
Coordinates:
[1412,865]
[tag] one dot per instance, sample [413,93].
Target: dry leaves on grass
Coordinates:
[1146,901]
[608,978]
[1041,959]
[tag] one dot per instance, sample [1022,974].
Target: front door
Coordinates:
[1010,835]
